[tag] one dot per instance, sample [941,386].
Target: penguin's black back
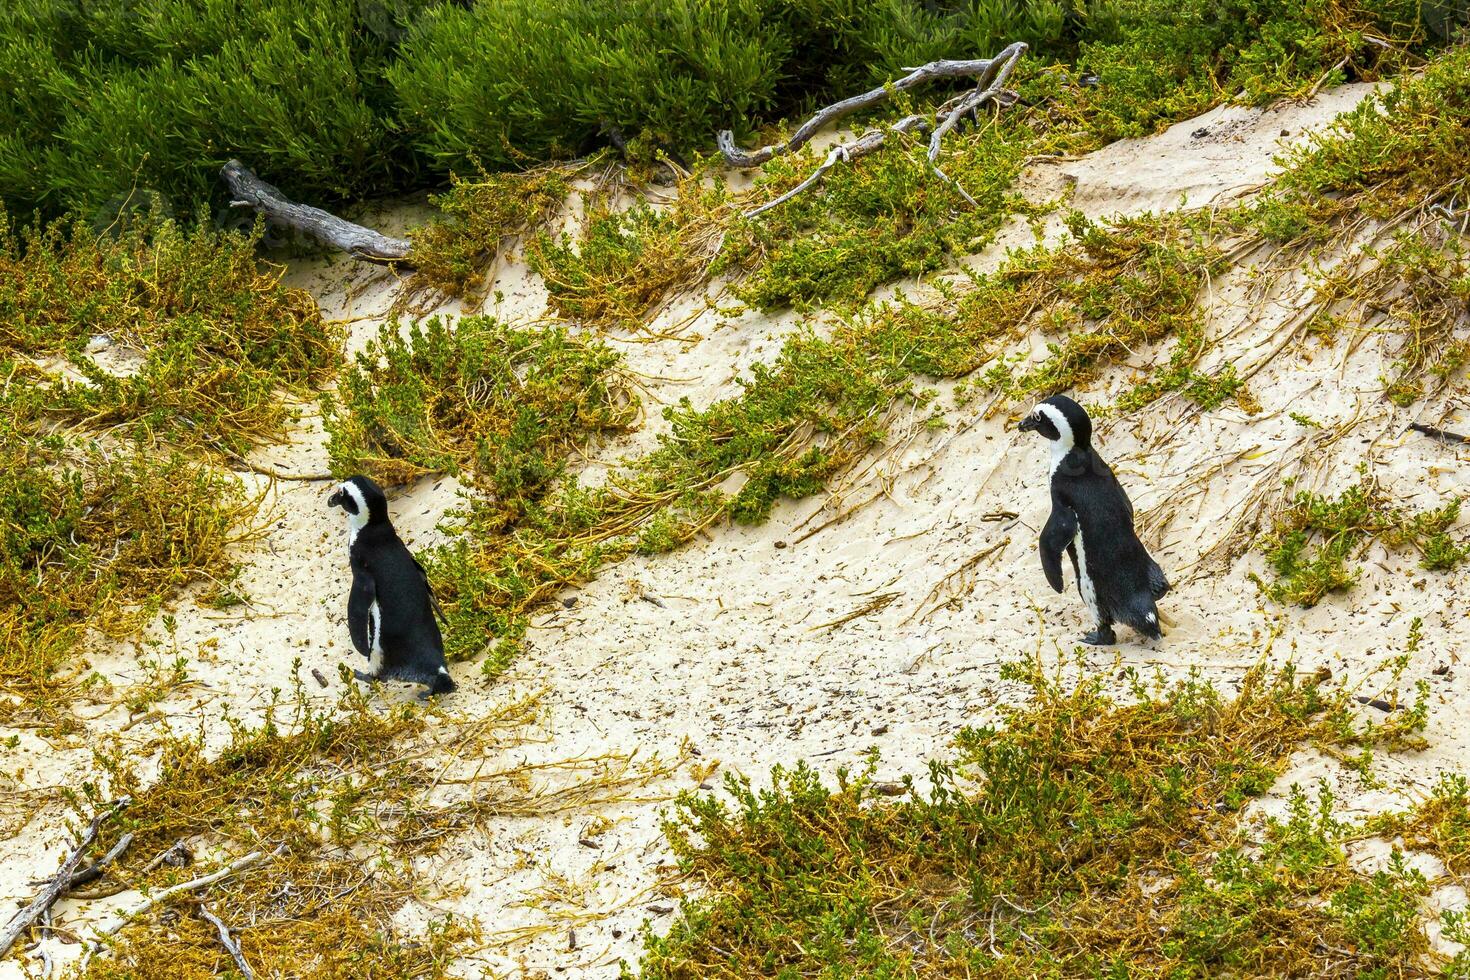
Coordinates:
[1123,575]
[413,649]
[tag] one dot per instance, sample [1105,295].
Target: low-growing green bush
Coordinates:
[99,537]
[1315,536]
[499,406]
[334,99]
[1081,836]
[215,340]
[105,101]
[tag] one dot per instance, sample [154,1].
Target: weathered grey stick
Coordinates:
[94,870]
[22,920]
[987,88]
[357,241]
[737,157]
[231,945]
[844,152]
[168,894]
[992,83]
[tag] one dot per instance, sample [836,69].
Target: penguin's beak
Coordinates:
[335,500]
[1028,424]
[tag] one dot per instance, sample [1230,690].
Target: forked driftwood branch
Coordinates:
[164,895]
[231,945]
[990,74]
[59,883]
[359,242]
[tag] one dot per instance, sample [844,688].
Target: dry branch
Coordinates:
[231,945]
[94,870]
[992,75]
[1441,434]
[359,242]
[167,894]
[22,920]
[979,68]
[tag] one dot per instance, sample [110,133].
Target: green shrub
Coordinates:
[1081,836]
[499,406]
[99,538]
[216,339]
[115,98]
[1314,537]
[502,82]
[332,99]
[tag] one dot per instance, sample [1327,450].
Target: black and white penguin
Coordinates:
[390,610]
[1092,520]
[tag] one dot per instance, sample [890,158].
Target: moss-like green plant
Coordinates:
[1313,539]
[625,262]
[477,219]
[211,341]
[101,538]
[1078,837]
[500,406]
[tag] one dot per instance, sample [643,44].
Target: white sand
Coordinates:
[736,660]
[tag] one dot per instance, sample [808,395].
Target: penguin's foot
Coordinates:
[365,678]
[1103,636]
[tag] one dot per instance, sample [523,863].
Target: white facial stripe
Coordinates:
[355,522]
[1062,444]
[1064,428]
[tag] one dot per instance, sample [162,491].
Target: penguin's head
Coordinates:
[1062,420]
[362,500]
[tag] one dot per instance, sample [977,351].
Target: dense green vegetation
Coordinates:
[499,406]
[210,343]
[107,506]
[98,537]
[338,800]
[337,99]
[1079,836]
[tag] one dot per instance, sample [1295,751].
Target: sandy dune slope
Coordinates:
[875,619]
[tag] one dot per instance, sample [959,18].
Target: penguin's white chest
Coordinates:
[1084,578]
[375,638]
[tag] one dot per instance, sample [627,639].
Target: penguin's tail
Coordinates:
[441,682]
[1158,583]
[1144,617]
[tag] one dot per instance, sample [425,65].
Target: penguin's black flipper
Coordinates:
[1060,529]
[1158,584]
[433,599]
[359,606]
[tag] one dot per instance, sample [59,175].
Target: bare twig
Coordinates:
[165,895]
[974,68]
[94,870]
[964,567]
[276,474]
[844,152]
[991,84]
[876,604]
[22,920]
[992,74]
[231,945]
[1441,434]
[359,242]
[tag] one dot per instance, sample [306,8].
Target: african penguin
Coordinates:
[1092,519]
[390,610]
